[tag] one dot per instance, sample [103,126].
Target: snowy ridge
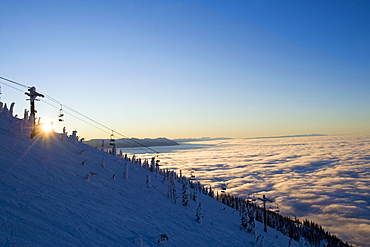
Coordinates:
[56,191]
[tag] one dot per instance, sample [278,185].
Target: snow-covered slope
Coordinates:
[56,192]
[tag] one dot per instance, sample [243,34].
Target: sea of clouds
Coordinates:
[325,179]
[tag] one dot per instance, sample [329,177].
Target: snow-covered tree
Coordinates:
[64,133]
[210,192]
[171,193]
[195,196]
[25,115]
[199,214]
[10,113]
[303,242]
[324,243]
[5,110]
[185,195]
[251,223]
[114,150]
[244,221]
[152,164]
[247,220]
[125,173]
[74,136]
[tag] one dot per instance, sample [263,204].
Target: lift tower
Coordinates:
[33,94]
[264,200]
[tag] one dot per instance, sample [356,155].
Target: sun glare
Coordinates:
[47,127]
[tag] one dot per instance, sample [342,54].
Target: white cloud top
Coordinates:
[325,179]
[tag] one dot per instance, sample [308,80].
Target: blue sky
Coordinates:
[193,68]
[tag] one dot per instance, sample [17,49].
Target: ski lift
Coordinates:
[223,187]
[274,209]
[252,197]
[61,114]
[192,175]
[112,140]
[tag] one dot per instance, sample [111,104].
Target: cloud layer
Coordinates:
[324,179]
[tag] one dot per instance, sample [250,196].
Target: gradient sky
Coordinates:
[192,68]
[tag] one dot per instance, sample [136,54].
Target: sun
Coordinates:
[47,127]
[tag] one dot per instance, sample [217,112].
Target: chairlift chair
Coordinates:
[61,114]
[223,187]
[192,175]
[253,199]
[112,140]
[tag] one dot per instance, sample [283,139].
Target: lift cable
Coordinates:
[14,82]
[102,125]
[97,123]
[92,120]
[286,210]
[113,131]
[76,117]
[11,86]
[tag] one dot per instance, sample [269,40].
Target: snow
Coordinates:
[58,192]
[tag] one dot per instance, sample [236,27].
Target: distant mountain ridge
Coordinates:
[201,139]
[132,142]
[308,135]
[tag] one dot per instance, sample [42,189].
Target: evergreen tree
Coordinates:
[244,221]
[125,173]
[303,242]
[251,223]
[171,193]
[324,243]
[195,196]
[210,192]
[185,195]
[199,214]
[10,113]
[152,165]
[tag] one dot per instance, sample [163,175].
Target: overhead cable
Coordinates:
[14,82]
[90,119]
